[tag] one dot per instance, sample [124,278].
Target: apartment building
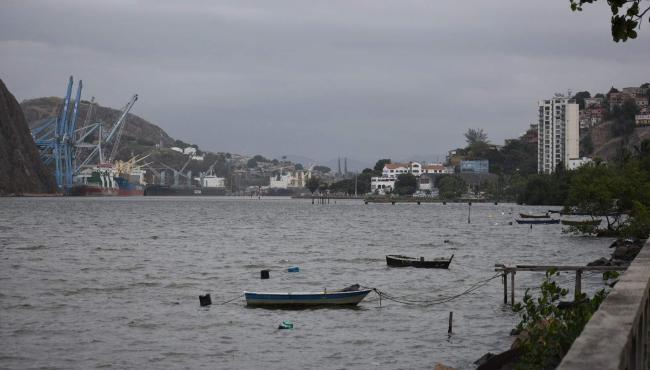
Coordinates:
[558,133]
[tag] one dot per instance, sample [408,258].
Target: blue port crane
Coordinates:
[55,138]
[60,142]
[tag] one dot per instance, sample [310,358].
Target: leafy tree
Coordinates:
[474,136]
[379,166]
[406,184]
[626,16]
[586,145]
[451,187]
[322,169]
[312,184]
[580,98]
[323,187]
[551,330]
[298,167]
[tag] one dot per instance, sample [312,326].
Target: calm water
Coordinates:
[99,282]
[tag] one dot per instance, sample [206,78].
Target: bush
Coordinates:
[549,330]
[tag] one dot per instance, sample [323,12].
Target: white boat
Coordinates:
[350,296]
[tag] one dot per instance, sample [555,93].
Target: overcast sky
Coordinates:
[321,79]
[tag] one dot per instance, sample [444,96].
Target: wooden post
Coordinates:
[512,288]
[578,284]
[505,288]
[451,320]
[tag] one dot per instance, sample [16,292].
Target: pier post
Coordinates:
[451,320]
[505,288]
[578,289]
[512,288]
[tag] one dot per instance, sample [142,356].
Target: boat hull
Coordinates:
[538,222]
[526,215]
[581,223]
[92,190]
[255,299]
[404,261]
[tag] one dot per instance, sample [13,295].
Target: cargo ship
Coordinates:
[104,179]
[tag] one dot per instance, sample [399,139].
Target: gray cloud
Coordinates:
[363,79]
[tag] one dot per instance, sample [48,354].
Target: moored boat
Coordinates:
[350,296]
[538,221]
[594,222]
[533,215]
[396,260]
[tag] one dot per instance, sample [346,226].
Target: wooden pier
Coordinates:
[512,270]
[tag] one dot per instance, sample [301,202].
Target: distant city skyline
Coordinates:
[365,80]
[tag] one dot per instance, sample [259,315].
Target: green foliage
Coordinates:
[298,166]
[406,184]
[549,330]
[312,184]
[544,189]
[451,187]
[586,145]
[580,98]
[379,166]
[322,169]
[475,136]
[626,16]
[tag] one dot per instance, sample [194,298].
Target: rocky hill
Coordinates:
[21,169]
[137,131]
[608,147]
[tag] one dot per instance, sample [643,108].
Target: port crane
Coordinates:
[61,142]
[56,138]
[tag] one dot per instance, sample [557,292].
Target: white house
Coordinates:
[578,162]
[295,179]
[391,170]
[176,149]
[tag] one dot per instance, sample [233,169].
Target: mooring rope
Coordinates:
[431,302]
[230,300]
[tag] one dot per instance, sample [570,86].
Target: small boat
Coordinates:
[530,215]
[350,296]
[396,260]
[538,221]
[594,222]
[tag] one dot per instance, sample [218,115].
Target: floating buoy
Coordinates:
[286,324]
[264,274]
[446,241]
[444,203]
[293,269]
[418,203]
[205,300]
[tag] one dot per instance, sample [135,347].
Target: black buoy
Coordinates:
[496,203]
[393,203]
[444,203]
[418,203]
[205,300]
[264,274]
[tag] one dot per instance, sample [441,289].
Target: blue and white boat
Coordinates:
[350,296]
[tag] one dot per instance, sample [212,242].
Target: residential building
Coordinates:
[292,179]
[558,137]
[592,116]
[578,162]
[642,119]
[391,170]
[476,166]
[593,102]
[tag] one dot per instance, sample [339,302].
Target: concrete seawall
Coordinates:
[616,337]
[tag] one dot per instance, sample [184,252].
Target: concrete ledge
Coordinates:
[616,337]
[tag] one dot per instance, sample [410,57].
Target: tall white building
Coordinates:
[558,135]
